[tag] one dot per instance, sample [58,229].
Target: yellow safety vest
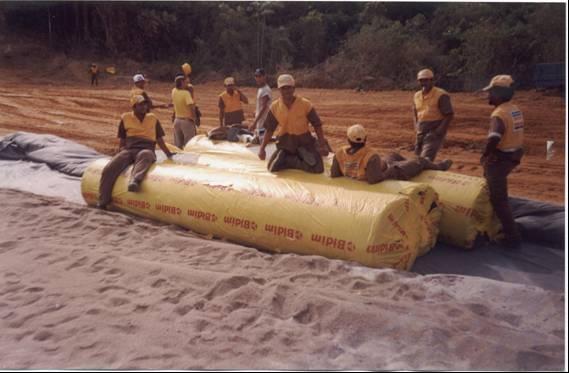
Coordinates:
[145,129]
[354,165]
[427,106]
[293,121]
[232,102]
[511,116]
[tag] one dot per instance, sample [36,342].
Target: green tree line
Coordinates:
[329,44]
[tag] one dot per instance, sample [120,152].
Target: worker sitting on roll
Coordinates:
[362,162]
[296,147]
[139,132]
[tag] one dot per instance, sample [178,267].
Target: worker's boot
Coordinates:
[445,165]
[133,186]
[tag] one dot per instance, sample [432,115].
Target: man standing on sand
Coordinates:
[360,162]
[187,70]
[184,112]
[503,152]
[230,104]
[94,71]
[139,132]
[264,98]
[432,114]
[296,147]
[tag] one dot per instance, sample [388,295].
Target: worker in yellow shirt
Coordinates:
[184,112]
[187,70]
[296,147]
[361,162]
[139,90]
[231,104]
[432,114]
[94,72]
[503,152]
[139,132]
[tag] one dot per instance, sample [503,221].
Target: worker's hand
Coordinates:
[262,154]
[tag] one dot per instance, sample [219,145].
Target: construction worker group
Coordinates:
[290,117]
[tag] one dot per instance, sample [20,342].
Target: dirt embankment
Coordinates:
[67,106]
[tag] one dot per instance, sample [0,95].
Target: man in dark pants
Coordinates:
[361,162]
[139,131]
[94,71]
[296,147]
[503,152]
[432,114]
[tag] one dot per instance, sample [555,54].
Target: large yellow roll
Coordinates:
[465,210]
[297,212]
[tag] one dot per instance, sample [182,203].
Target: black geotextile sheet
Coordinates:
[62,155]
[540,261]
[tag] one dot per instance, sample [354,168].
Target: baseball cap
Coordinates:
[499,81]
[138,78]
[178,77]
[357,134]
[425,74]
[229,81]
[260,71]
[285,80]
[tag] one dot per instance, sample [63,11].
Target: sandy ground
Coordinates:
[84,288]
[90,116]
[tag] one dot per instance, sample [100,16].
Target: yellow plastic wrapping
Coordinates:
[465,209]
[299,213]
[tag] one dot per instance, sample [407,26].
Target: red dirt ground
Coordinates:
[90,116]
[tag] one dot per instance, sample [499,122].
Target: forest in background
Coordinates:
[327,44]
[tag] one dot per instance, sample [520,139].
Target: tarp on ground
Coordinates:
[60,154]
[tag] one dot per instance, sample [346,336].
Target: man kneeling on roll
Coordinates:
[139,132]
[362,162]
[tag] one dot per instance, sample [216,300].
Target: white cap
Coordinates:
[425,74]
[499,81]
[285,80]
[138,78]
[357,134]
[229,81]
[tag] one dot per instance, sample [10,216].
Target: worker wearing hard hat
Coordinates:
[296,147]
[184,112]
[139,132]
[432,114]
[361,162]
[503,152]
[187,70]
[231,104]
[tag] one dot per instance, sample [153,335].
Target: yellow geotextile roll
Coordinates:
[466,208]
[267,211]
[236,157]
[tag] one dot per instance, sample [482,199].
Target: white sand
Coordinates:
[83,288]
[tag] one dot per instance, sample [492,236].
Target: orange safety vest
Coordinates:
[145,129]
[232,102]
[511,116]
[354,165]
[427,106]
[293,121]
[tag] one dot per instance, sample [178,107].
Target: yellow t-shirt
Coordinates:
[145,129]
[511,116]
[181,99]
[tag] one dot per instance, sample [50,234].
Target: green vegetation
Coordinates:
[336,44]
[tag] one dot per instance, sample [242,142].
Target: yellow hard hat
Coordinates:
[425,74]
[187,68]
[499,81]
[357,134]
